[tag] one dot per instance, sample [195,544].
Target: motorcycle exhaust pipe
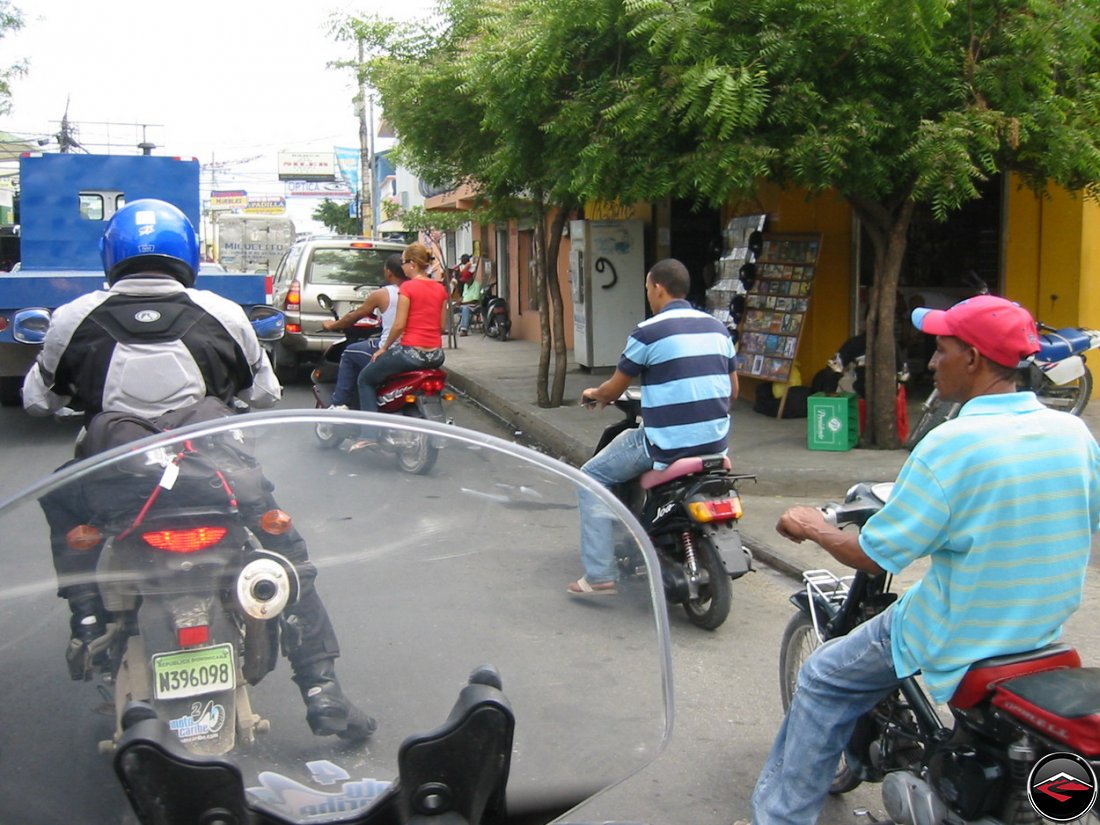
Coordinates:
[263,589]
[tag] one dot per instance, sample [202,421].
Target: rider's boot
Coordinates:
[86,624]
[328,710]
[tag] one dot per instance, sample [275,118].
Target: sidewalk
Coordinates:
[501,377]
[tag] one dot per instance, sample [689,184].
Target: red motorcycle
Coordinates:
[418,394]
[1019,721]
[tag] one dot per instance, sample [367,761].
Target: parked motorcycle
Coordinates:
[1008,713]
[494,314]
[432,597]
[418,394]
[690,511]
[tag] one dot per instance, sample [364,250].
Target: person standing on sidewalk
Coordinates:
[687,365]
[965,498]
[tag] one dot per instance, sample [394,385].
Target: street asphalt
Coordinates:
[501,376]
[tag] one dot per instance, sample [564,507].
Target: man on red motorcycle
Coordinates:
[148,345]
[1002,501]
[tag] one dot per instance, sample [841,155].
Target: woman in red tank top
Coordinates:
[415,341]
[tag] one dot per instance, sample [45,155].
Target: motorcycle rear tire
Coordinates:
[327,435]
[1071,397]
[712,607]
[799,641]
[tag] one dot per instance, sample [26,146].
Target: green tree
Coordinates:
[11,20]
[892,103]
[490,99]
[337,217]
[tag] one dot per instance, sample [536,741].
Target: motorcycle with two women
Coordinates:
[416,394]
[1024,730]
[450,636]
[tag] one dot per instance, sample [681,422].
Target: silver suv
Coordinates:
[346,269]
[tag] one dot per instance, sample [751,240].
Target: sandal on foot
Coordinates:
[362,444]
[583,587]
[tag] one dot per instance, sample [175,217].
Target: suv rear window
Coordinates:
[357,267]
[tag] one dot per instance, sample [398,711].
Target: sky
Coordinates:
[229,82]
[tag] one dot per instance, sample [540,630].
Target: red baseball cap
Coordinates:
[1001,330]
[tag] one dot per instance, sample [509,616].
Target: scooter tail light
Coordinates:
[83,537]
[723,509]
[191,636]
[190,540]
[276,522]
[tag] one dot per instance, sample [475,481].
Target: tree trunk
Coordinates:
[543,378]
[561,354]
[888,228]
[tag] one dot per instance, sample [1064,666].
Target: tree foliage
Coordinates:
[11,20]
[337,217]
[892,103]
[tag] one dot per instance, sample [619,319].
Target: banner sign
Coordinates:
[347,159]
[306,166]
[228,199]
[265,206]
[334,190]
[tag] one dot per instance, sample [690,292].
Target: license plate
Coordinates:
[193,672]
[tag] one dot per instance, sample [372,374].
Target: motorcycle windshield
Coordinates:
[436,552]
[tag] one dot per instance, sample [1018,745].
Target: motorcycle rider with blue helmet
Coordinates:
[148,344]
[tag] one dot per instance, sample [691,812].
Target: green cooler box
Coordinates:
[832,421]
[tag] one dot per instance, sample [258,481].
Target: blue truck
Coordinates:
[65,203]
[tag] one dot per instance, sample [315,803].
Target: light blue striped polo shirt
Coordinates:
[1004,500]
[685,358]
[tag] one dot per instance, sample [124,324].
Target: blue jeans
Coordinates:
[466,315]
[352,360]
[842,680]
[624,458]
[394,360]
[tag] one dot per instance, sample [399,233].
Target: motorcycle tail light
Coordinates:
[191,636]
[723,509]
[433,385]
[184,541]
[83,537]
[275,522]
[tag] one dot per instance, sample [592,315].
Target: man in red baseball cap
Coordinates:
[1001,330]
[964,502]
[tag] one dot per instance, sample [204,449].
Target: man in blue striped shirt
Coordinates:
[1003,501]
[687,365]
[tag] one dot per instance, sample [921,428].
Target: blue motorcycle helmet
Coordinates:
[150,235]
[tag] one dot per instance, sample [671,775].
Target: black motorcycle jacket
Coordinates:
[146,346]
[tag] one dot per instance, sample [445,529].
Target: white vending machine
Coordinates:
[607,271]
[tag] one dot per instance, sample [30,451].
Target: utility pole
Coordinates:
[366,151]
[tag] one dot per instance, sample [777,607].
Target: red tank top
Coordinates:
[424,326]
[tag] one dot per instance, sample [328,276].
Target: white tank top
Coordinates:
[391,308]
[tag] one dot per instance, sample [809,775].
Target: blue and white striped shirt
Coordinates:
[685,358]
[1003,500]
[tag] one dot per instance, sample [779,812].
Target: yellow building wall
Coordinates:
[829,321]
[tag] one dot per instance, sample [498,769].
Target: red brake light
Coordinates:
[293,297]
[184,541]
[293,329]
[362,245]
[191,636]
[715,510]
[433,385]
[3,323]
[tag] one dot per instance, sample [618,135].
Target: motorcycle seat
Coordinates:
[1063,704]
[984,676]
[1062,343]
[683,467]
